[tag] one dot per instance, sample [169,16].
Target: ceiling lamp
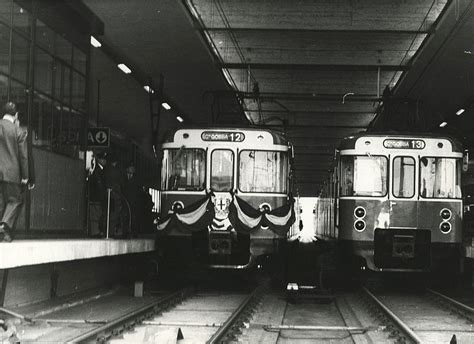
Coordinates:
[149,89]
[166,106]
[95,43]
[443,124]
[460,111]
[180,119]
[123,67]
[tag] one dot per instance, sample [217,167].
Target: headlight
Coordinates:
[359,225]
[178,205]
[445,227]
[445,214]
[359,212]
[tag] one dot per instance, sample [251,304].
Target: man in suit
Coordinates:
[13,169]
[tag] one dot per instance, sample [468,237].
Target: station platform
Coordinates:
[33,252]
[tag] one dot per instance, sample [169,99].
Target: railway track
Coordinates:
[424,317]
[190,318]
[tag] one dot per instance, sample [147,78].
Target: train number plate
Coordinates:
[403,246]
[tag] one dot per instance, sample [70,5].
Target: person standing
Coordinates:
[13,169]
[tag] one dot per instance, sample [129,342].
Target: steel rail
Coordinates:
[220,334]
[407,330]
[110,326]
[464,307]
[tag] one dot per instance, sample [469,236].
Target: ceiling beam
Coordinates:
[309,96]
[315,67]
[283,30]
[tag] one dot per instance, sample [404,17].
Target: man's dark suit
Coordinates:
[13,168]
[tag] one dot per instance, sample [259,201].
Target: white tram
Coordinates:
[225,198]
[395,201]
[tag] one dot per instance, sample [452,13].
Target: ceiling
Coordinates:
[316,70]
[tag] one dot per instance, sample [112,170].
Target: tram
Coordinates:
[225,198]
[395,201]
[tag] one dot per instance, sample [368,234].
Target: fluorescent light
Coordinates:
[149,89]
[95,43]
[460,111]
[180,119]
[166,106]
[124,68]
[442,125]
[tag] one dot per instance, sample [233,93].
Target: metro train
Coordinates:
[394,202]
[225,198]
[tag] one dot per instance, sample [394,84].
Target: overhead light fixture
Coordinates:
[123,67]
[149,89]
[95,43]
[443,124]
[166,106]
[460,111]
[180,119]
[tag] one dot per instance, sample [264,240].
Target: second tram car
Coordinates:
[395,201]
[225,198]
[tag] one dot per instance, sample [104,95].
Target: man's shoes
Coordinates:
[6,237]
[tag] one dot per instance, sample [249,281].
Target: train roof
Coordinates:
[279,138]
[350,141]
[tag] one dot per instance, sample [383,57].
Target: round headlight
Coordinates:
[445,227]
[178,205]
[359,212]
[265,208]
[445,214]
[359,225]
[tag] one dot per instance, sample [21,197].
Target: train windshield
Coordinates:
[222,170]
[440,177]
[263,171]
[183,169]
[364,175]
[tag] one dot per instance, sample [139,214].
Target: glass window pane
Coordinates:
[3,88]
[5,11]
[19,95]
[222,170]
[79,60]
[263,171]
[347,175]
[66,85]
[364,176]
[43,71]
[20,58]
[78,91]
[21,19]
[184,169]
[64,49]
[45,36]
[440,177]
[4,48]
[403,177]
[41,121]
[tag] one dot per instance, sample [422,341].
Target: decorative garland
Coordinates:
[243,217]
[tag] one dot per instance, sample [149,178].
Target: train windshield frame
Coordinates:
[183,169]
[364,175]
[222,170]
[440,177]
[263,171]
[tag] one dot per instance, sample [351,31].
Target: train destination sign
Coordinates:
[223,136]
[404,144]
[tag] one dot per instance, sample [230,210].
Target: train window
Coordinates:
[403,177]
[440,177]
[183,169]
[263,171]
[363,175]
[222,170]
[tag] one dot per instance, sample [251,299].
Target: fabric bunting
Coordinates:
[192,218]
[246,219]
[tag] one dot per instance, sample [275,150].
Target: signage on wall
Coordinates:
[98,137]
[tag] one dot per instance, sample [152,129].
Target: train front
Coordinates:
[400,206]
[225,199]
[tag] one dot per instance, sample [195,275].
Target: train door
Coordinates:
[402,196]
